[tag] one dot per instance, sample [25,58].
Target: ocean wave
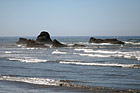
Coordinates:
[101,44]
[105,53]
[21,45]
[8,52]
[132,43]
[40,81]
[31,48]
[101,51]
[58,52]
[28,60]
[86,43]
[96,51]
[93,55]
[130,55]
[64,83]
[102,64]
[121,55]
[11,52]
[82,49]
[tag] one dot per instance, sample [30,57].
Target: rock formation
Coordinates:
[57,44]
[22,41]
[112,41]
[33,43]
[78,45]
[44,38]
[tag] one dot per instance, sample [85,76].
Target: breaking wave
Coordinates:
[53,82]
[105,53]
[58,52]
[11,52]
[102,64]
[28,60]
[93,55]
[97,51]
[8,52]
[40,81]
[132,43]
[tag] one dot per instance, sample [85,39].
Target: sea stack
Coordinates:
[58,44]
[33,43]
[112,41]
[22,41]
[44,38]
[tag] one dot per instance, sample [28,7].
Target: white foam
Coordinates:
[58,52]
[19,45]
[93,55]
[133,43]
[101,64]
[100,44]
[40,81]
[105,53]
[31,48]
[96,51]
[131,55]
[28,60]
[100,51]
[79,49]
[8,52]
[138,58]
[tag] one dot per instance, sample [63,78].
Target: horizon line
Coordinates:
[78,36]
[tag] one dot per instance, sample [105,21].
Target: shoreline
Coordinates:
[72,88]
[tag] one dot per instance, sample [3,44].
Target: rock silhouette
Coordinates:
[22,41]
[112,41]
[33,43]
[44,38]
[57,44]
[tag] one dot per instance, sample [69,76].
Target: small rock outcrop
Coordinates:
[33,43]
[44,38]
[78,45]
[22,41]
[112,41]
[57,44]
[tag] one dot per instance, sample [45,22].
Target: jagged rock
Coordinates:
[57,44]
[44,38]
[22,41]
[78,45]
[112,41]
[33,43]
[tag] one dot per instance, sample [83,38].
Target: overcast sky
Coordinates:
[70,17]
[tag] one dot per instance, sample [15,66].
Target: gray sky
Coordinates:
[70,17]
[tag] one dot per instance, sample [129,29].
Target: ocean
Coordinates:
[102,66]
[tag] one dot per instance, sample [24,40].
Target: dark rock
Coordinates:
[44,38]
[94,40]
[57,44]
[112,41]
[22,41]
[91,40]
[33,43]
[78,45]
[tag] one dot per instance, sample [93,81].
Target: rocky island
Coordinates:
[44,39]
[112,41]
